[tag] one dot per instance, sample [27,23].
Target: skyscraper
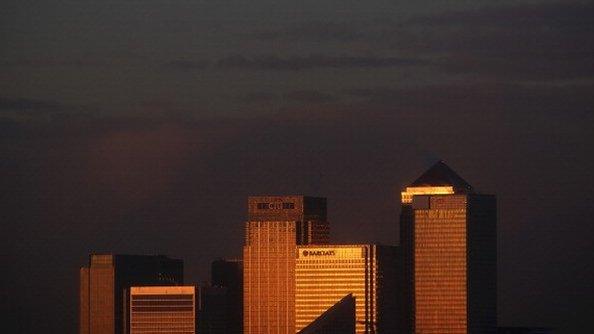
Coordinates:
[163,309]
[449,239]
[276,225]
[324,274]
[213,317]
[103,282]
[227,276]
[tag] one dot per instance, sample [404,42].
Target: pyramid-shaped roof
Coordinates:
[441,174]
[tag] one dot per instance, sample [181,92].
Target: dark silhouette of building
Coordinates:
[338,319]
[276,225]
[524,330]
[449,239]
[214,310]
[103,284]
[228,275]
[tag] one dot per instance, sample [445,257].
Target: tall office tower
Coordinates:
[163,309]
[214,310]
[449,239]
[103,282]
[276,225]
[324,274]
[228,274]
[338,319]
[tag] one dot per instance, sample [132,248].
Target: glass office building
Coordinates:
[325,274]
[449,239]
[338,319]
[104,280]
[276,225]
[163,309]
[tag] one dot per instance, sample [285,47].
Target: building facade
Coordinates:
[338,319]
[213,316]
[449,239]
[325,274]
[163,309]
[276,225]
[104,280]
[227,287]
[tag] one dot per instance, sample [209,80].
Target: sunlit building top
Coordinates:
[448,235]
[440,179]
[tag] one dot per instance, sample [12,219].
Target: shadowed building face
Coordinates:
[227,276]
[338,319]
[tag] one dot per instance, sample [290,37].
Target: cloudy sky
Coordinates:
[142,126]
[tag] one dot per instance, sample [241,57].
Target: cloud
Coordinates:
[514,101]
[530,42]
[310,96]
[185,64]
[556,14]
[27,104]
[38,63]
[258,97]
[315,31]
[307,96]
[28,109]
[524,42]
[297,63]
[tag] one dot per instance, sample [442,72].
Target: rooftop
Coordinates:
[441,174]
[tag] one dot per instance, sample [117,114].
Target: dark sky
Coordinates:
[142,126]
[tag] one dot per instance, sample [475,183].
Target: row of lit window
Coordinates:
[331,260]
[163,316]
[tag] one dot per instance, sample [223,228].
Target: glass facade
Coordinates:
[269,276]
[163,309]
[276,225]
[449,238]
[325,274]
[455,269]
[440,272]
[102,307]
[338,319]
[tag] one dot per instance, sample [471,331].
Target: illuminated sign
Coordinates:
[334,253]
[329,252]
[276,206]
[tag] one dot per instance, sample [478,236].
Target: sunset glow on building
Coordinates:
[325,274]
[449,237]
[163,309]
[276,226]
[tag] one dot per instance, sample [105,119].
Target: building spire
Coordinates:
[441,174]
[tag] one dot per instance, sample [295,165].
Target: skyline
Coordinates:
[142,127]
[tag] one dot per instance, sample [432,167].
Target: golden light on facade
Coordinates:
[277,224]
[449,239]
[455,266]
[408,194]
[440,272]
[269,278]
[163,309]
[325,274]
